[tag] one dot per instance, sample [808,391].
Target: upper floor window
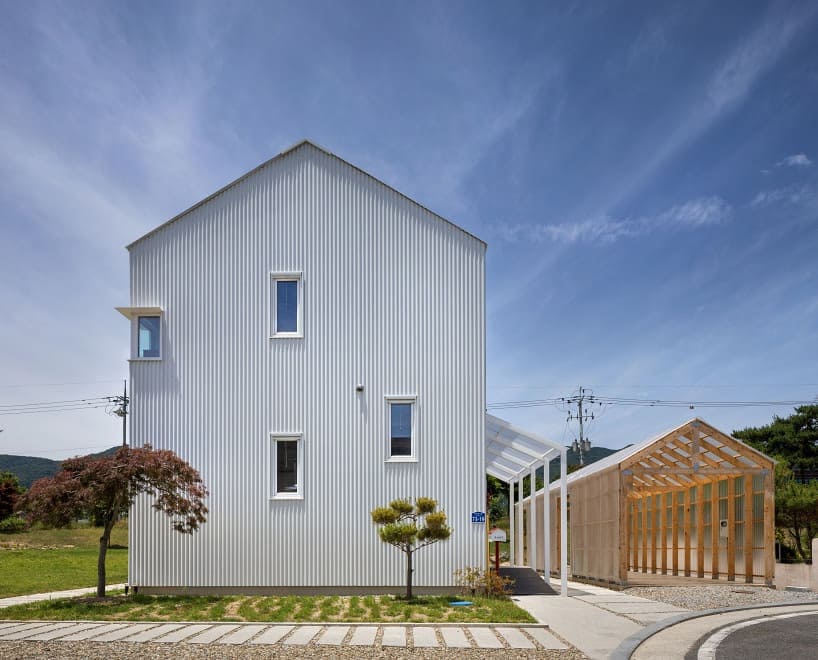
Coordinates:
[402,441]
[149,337]
[286,305]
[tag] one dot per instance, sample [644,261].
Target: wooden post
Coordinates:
[635,531]
[731,528]
[714,530]
[674,531]
[769,528]
[645,534]
[687,522]
[624,520]
[748,528]
[700,531]
[653,533]
[663,527]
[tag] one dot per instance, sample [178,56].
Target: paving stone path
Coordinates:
[426,636]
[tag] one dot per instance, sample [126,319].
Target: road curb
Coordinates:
[630,644]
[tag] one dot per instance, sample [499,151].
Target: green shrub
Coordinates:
[474,581]
[13,525]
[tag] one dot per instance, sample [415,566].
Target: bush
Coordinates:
[13,525]
[475,581]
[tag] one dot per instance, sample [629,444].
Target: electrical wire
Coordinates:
[5,406]
[624,401]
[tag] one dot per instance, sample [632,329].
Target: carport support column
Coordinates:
[546,521]
[520,528]
[511,555]
[563,522]
[532,525]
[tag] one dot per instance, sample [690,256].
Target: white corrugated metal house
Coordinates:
[313,342]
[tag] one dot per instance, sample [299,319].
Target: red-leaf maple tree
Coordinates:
[105,487]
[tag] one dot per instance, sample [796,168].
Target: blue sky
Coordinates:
[645,174]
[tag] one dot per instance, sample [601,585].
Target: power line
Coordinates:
[77,382]
[4,406]
[54,409]
[624,401]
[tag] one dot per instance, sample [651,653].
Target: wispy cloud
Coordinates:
[795,194]
[693,214]
[796,160]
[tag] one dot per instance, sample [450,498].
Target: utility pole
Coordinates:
[583,445]
[122,411]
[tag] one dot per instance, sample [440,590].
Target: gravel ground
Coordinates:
[704,597]
[103,650]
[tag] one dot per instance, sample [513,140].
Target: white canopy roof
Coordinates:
[512,452]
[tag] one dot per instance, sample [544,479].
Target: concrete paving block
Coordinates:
[515,638]
[363,636]
[128,630]
[241,635]
[454,638]
[394,636]
[10,625]
[183,633]
[485,637]
[23,631]
[272,635]
[302,636]
[211,635]
[425,637]
[90,633]
[333,636]
[157,631]
[54,633]
[545,638]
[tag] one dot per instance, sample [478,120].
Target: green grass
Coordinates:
[54,559]
[378,609]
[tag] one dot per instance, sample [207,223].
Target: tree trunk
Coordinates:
[409,575]
[104,541]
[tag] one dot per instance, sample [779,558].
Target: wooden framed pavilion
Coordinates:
[692,502]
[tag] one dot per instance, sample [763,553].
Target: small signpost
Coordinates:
[498,536]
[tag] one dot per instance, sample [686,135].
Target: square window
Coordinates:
[148,337]
[286,467]
[286,305]
[402,429]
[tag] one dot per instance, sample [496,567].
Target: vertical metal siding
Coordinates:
[394,298]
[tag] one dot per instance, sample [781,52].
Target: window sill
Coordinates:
[285,496]
[146,359]
[287,335]
[401,459]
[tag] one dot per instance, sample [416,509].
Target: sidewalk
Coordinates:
[594,619]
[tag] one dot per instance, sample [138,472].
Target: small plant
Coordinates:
[474,581]
[13,525]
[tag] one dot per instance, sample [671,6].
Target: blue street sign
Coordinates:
[478,517]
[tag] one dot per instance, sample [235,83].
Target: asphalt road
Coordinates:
[793,639]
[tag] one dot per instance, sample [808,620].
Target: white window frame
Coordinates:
[272,464]
[276,277]
[135,336]
[413,456]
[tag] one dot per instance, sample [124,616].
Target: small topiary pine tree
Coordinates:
[411,527]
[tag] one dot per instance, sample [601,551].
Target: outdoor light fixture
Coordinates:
[359,388]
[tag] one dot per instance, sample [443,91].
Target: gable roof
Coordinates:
[274,159]
[621,457]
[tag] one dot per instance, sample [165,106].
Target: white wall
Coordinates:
[393,299]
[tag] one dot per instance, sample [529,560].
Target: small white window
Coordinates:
[286,467]
[286,305]
[149,337]
[402,429]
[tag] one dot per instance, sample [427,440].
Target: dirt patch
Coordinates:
[232,610]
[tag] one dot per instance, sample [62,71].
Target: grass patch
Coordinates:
[376,609]
[55,559]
